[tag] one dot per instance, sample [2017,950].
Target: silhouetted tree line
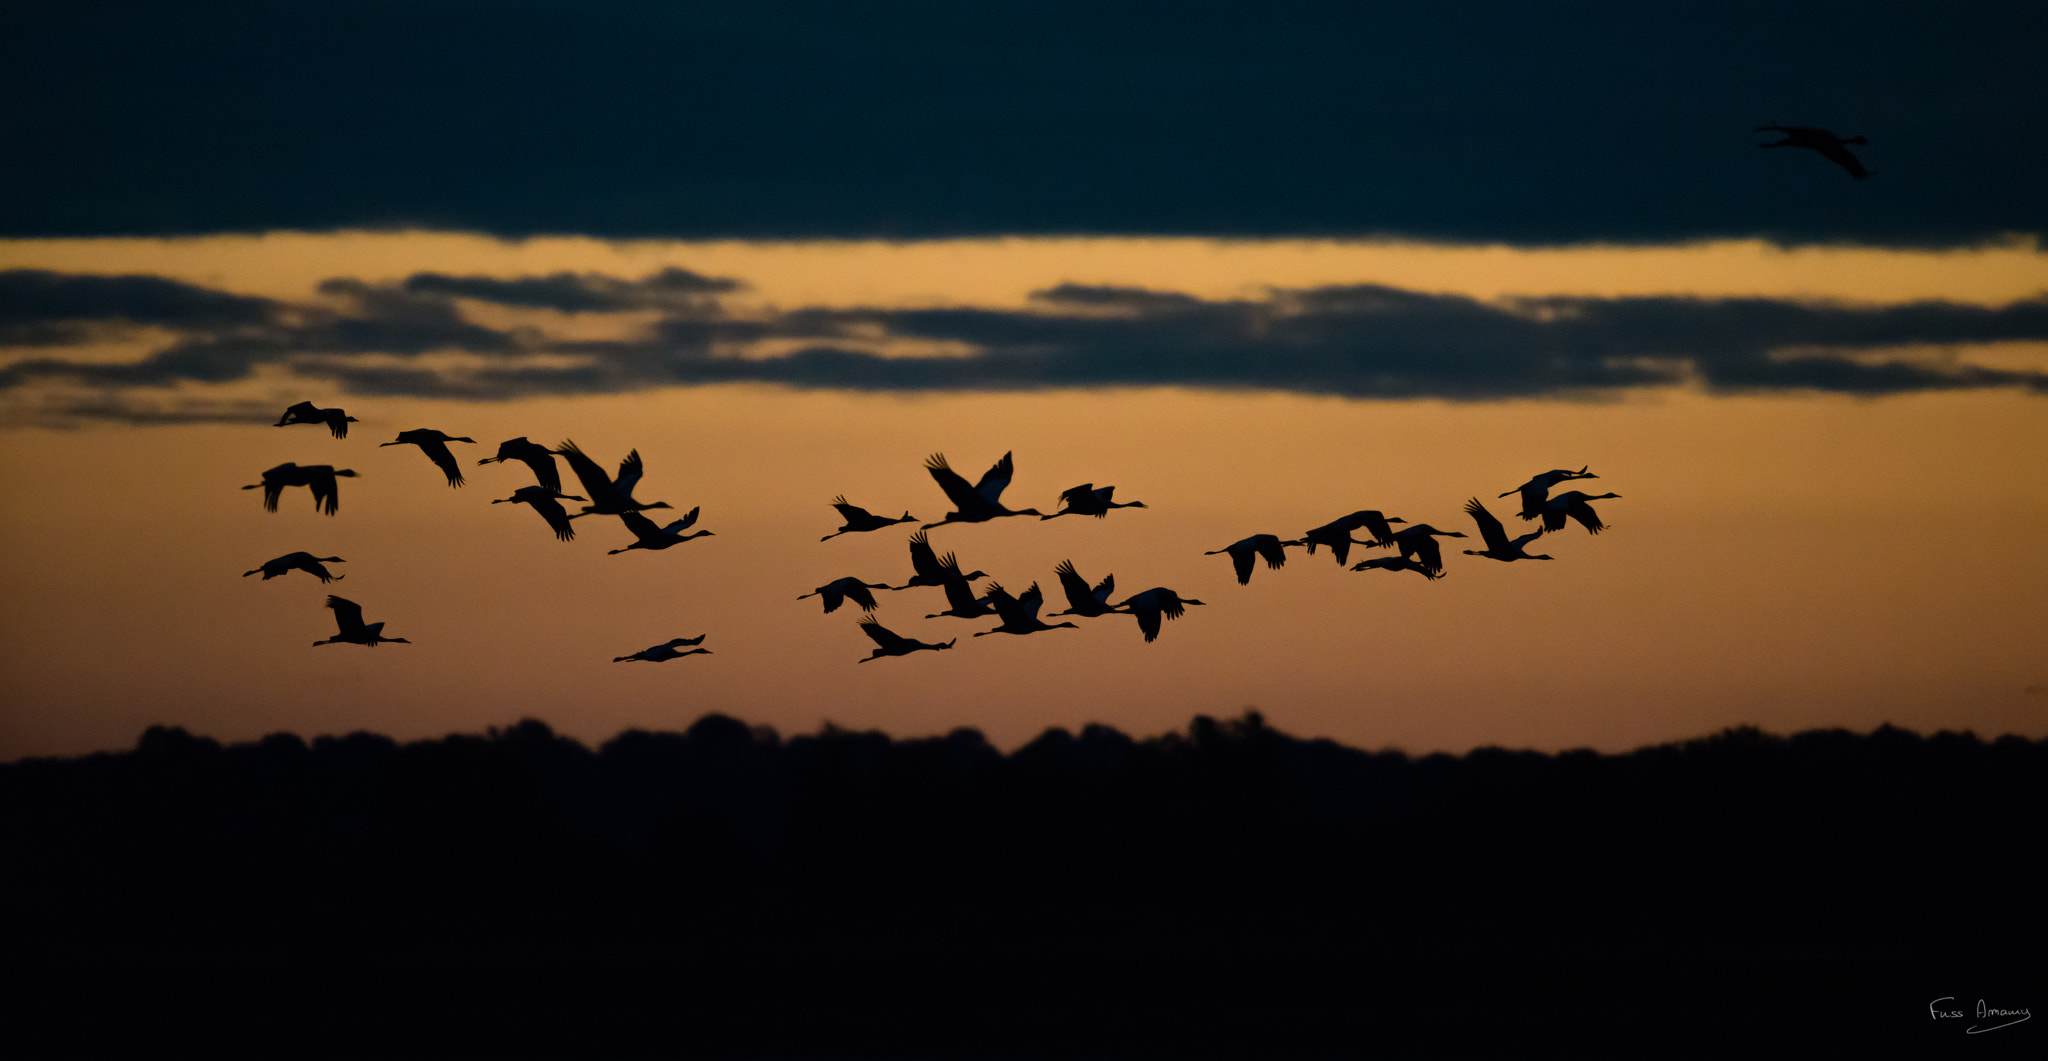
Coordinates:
[767,871]
[1230,812]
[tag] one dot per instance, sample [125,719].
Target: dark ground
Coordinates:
[1228,892]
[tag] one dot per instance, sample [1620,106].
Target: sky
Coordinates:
[1255,270]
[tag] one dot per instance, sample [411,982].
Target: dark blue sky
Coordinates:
[1621,122]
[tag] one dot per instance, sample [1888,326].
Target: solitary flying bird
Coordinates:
[1573,504]
[1083,600]
[1089,500]
[653,537]
[1266,546]
[435,445]
[929,569]
[1498,545]
[857,519]
[304,413]
[535,456]
[1148,607]
[1831,147]
[1398,563]
[306,562]
[349,616]
[318,477]
[980,502]
[667,651]
[608,496]
[840,590]
[889,643]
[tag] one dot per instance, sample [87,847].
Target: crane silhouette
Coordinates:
[1399,563]
[535,456]
[888,643]
[317,477]
[652,537]
[1244,550]
[857,519]
[1337,533]
[301,561]
[1573,504]
[608,496]
[305,413]
[1498,545]
[961,603]
[548,503]
[1152,605]
[348,615]
[927,569]
[1081,599]
[667,651]
[1537,490]
[435,445]
[1019,613]
[1089,500]
[1419,542]
[1831,147]
[978,503]
[839,590]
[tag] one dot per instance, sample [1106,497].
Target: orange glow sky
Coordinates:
[1791,561]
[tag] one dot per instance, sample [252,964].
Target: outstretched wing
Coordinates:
[1074,586]
[923,561]
[347,613]
[629,475]
[996,480]
[642,527]
[595,482]
[850,513]
[882,635]
[683,524]
[1490,529]
[1273,552]
[444,460]
[1834,152]
[962,495]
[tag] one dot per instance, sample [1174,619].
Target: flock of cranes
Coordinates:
[1413,548]
[1415,544]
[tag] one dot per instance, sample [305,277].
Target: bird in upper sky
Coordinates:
[1831,147]
[548,503]
[1419,541]
[1089,500]
[888,643]
[535,456]
[839,590]
[857,519]
[304,413]
[1537,490]
[928,569]
[980,502]
[1148,607]
[318,477]
[1019,613]
[1081,599]
[667,651]
[1242,551]
[1337,533]
[1398,563]
[302,561]
[435,445]
[1498,545]
[653,537]
[1573,504]
[348,615]
[608,496]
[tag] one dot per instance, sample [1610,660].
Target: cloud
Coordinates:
[1530,124]
[42,308]
[574,292]
[1360,341]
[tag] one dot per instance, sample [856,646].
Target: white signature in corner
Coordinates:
[1985,1011]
